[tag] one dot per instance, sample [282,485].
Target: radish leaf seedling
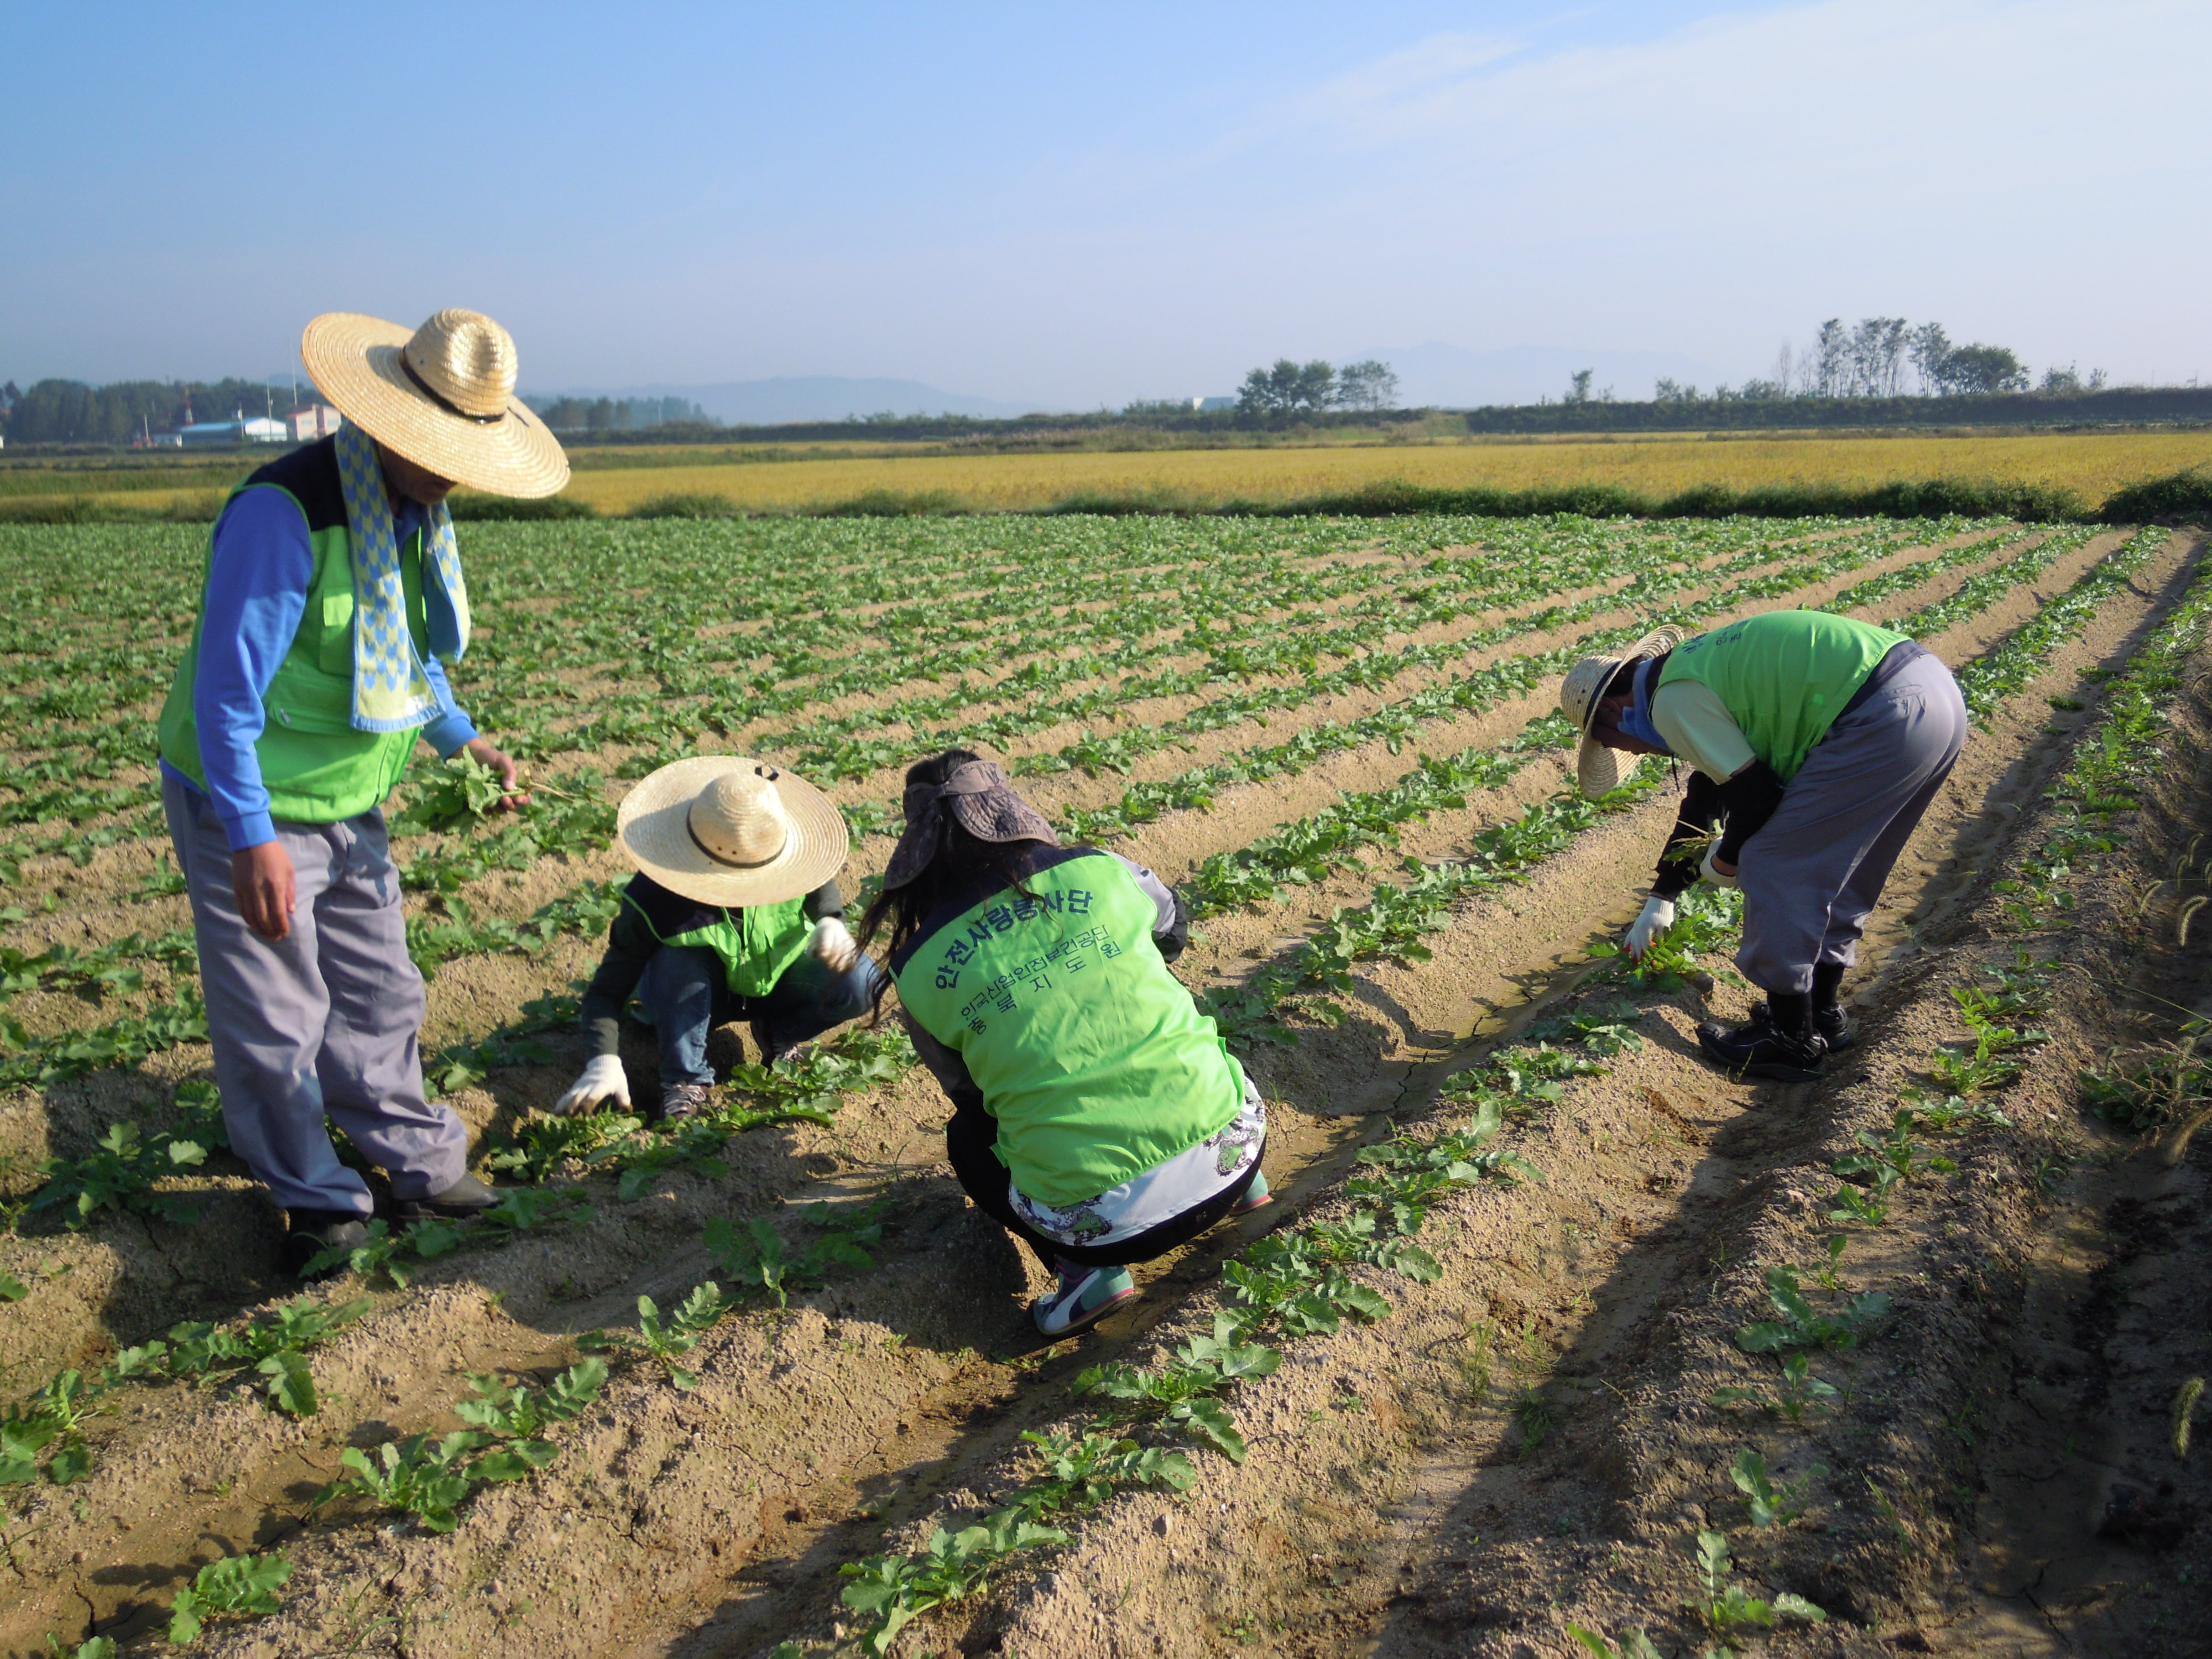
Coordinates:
[1770,1506]
[1726,1608]
[669,1340]
[236,1587]
[1800,1392]
[1633,1644]
[1799,1326]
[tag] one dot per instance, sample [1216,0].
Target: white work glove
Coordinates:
[1658,916]
[834,945]
[1707,870]
[603,1080]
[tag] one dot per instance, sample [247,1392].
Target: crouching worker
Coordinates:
[333,587]
[1817,743]
[1097,1116]
[734,914]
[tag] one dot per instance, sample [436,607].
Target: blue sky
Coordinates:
[1081,204]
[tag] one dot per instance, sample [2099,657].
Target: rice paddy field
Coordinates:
[770,478]
[2093,463]
[1556,1343]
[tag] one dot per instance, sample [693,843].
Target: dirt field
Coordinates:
[1456,1392]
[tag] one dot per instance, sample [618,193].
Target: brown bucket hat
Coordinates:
[979,799]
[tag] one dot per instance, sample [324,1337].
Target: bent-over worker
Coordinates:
[1096,1115]
[1816,743]
[333,587]
[734,914]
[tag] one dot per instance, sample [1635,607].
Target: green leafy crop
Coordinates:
[1183,1395]
[1800,1327]
[1770,1506]
[757,1257]
[429,1476]
[665,1339]
[1798,1395]
[236,1587]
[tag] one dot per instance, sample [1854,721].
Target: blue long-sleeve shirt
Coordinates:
[257,591]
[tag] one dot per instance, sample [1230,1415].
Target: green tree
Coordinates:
[1288,388]
[1368,384]
[1984,368]
[1931,349]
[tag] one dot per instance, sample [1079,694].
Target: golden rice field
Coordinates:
[614,482]
[2094,465]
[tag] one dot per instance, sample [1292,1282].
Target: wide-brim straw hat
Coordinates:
[1597,770]
[441,395]
[729,831]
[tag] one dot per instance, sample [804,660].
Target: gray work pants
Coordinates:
[1812,874]
[322,1023]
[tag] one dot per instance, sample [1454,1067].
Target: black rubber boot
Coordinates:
[466,1197]
[1784,1045]
[308,1233]
[1836,1028]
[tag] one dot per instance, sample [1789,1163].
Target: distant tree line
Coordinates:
[1869,360]
[71,412]
[618,413]
[1294,388]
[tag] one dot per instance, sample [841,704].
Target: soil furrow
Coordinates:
[826,1378]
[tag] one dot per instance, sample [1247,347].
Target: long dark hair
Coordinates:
[963,863]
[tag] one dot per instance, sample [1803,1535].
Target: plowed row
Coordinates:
[1545,1391]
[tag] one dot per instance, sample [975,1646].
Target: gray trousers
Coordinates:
[1812,874]
[322,1023]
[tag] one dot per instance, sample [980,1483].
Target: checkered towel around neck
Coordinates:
[391,692]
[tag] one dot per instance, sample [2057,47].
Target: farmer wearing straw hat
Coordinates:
[734,914]
[1096,1115]
[1816,743]
[333,588]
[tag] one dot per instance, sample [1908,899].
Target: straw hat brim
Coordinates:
[653,832]
[1597,768]
[355,362]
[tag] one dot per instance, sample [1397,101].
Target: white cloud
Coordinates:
[1975,160]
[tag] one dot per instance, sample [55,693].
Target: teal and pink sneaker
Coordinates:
[1086,1296]
[1256,1196]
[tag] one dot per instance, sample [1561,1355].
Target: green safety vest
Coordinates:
[1784,676]
[757,945]
[316,767]
[1093,1058]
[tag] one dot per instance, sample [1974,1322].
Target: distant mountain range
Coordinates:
[1441,376]
[818,397]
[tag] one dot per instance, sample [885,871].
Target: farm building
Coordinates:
[314,421]
[213,434]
